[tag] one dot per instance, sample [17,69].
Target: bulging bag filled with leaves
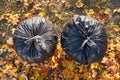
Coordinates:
[35,39]
[84,39]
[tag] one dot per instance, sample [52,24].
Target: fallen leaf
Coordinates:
[13,30]
[54,65]
[79,4]
[116,11]
[81,68]
[1,73]
[90,12]
[28,15]
[86,74]
[10,41]
[107,11]
[103,0]
[27,69]
[43,14]
[111,35]
[14,19]
[3,34]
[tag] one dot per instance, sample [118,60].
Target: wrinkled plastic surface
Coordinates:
[35,39]
[84,39]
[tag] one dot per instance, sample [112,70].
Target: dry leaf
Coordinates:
[3,34]
[81,68]
[43,14]
[90,12]
[28,15]
[107,11]
[116,11]
[117,47]
[1,73]
[10,41]
[79,4]
[14,19]
[27,69]
[103,0]
[13,30]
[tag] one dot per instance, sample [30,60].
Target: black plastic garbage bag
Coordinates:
[84,39]
[35,39]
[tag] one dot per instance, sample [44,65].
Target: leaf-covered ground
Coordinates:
[59,66]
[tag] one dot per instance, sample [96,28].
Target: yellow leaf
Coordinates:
[117,75]
[59,50]
[13,72]
[36,74]
[53,59]
[43,14]
[28,15]
[94,65]
[67,73]
[13,18]
[90,12]
[13,30]
[69,65]
[117,47]
[116,11]
[112,54]
[55,65]
[76,78]
[107,11]
[104,59]
[94,73]
[4,15]
[4,34]
[116,29]
[22,77]
[86,75]
[58,15]
[111,34]
[103,0]
[27,69]
[80,68]
[79,4]
[38,69]
[1,73]
[9,66]
[5,46]
[10,41]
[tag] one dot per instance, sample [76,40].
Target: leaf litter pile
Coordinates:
[60,66]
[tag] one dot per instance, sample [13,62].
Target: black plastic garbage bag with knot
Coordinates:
[35,39]
[84,39]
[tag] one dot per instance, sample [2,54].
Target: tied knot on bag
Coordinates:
[77,20]
[35,38]
[90,43]
[84,42]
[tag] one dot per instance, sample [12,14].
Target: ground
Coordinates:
[60,66]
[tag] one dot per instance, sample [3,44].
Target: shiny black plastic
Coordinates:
[84,39]
[35,39]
